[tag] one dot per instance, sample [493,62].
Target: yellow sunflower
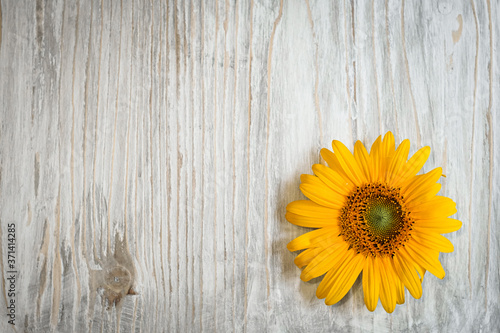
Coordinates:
[374,215]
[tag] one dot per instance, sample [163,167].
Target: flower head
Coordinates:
[374,215]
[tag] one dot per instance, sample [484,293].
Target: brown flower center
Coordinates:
[374,220]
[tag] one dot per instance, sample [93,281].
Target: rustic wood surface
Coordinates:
[148,150]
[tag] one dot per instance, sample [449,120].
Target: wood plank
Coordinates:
[148,150]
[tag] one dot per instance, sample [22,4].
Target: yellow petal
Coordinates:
[305,257]
[311,209]
[323,262]
[363,159]
[375,159]
[330,159]
[437,207]
[333,179]
[407,274]
[333,162]
[428,262]
[388,280]
[371,283]
[348,163]
[326,284]
[388,145]
[313,188]
[386,152]
[398,161]
[433,241]
[414,164]
[316,181]
[345,279]
[319,196]
[420,181]
[400,292]
[310,222]
[423,195]
[420,270]
[439,225]
[323,237]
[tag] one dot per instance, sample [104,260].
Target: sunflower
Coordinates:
[374,215]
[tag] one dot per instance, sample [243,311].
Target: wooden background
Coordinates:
[148,150]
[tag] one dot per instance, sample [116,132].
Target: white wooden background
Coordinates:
[148,150]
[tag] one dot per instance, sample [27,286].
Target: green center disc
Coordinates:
[383,216]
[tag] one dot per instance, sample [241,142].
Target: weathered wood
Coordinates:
[148,150]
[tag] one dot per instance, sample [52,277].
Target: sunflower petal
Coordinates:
[310,222]
[345,279]
[385,154]
[333,179]
[363,159]
[375,157]
[333,162]
[371,283]
[320,193]
[388,292]
[408,275]
[421,181]
[317,238]
[388,144]
[424,195]
[400,292]
[311,209]
[322,187]
[437,207]
[419,257]
[414,164]
[398,161]
[326,284]
[439,225]
[323,262]
[434,241]
[348,163]
[420,270]
[306,256]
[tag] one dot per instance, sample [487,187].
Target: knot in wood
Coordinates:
[118,279]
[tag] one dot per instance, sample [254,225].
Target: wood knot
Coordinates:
[117,283]
[118,279]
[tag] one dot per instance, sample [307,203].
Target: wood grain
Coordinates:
[148,150]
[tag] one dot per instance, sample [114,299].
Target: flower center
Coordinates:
[374,220]
[382,215]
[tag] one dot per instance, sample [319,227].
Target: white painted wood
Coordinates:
[148,150]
